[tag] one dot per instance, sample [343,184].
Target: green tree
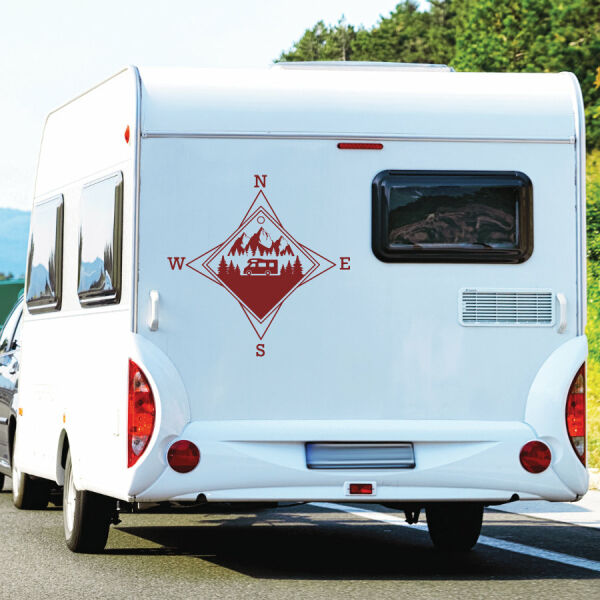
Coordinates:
[533,36]
[401,37]
[323,42]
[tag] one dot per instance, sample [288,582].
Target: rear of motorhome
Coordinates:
[418,340]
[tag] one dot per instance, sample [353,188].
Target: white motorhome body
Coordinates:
[418,353]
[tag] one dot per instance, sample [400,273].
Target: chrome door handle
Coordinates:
[153,320]
[3,420]
[562,307]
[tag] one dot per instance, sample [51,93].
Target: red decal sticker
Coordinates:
[260,349]
[344,263]
[260,181]
[176,262]
[261,264]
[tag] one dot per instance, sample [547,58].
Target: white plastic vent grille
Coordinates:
[481,307]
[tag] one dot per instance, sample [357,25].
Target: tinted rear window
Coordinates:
[452,216]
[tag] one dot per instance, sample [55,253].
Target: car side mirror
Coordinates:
[14,345]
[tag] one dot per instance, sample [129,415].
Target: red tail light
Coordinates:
[575,414]
[141,414]
[360,488]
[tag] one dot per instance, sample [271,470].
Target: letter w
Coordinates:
[176,262]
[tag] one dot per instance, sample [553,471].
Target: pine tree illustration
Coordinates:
[230,269]
[297,268]
[222,268]
[237,271]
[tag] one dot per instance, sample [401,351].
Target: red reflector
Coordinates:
[140,415]
[360,488]
[183,456]
[127,134]
[575,413]
[535,457]
[359,146]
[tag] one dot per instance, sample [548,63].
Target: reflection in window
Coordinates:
[44,263]
[452,216]
[100,238]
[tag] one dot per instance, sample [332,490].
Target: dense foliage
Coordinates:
[476,35]
[593,324]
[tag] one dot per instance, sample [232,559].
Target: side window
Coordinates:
[100,241]
[44,263]
[452,216]
[7,332]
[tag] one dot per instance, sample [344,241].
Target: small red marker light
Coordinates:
[127,132]
[183,456]
[360,488]
[359,146]
[535,456]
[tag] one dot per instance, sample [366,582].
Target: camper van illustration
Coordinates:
[258,266]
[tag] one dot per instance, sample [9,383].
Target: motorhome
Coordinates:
[422,345]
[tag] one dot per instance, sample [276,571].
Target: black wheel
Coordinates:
[86,516]
[454,526]
[28,493]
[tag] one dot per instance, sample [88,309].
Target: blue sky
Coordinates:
[50,51]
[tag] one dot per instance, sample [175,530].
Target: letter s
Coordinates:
[260,349]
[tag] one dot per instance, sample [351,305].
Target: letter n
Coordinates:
[260,181]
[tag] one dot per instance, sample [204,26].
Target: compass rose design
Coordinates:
[261,264]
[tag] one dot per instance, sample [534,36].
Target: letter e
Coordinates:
[344,263]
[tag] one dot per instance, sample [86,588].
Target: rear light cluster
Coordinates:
[575,414]
[141,414]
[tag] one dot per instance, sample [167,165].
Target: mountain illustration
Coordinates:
[282,246]
[240,245]
[262,243]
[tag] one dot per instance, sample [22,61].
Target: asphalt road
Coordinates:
[295,552]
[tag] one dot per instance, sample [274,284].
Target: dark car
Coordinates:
[10,344]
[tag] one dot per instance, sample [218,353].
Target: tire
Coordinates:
[454,526]
[29,493]
[86,516]
[267,273]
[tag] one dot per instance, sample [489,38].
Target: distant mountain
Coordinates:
[40,283]
[14,234]
[93,276]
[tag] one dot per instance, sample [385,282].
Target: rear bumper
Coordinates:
[454,460]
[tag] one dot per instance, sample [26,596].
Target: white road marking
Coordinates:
[559,557]
[585,512]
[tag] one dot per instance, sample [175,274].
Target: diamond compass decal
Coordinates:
[261,264]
